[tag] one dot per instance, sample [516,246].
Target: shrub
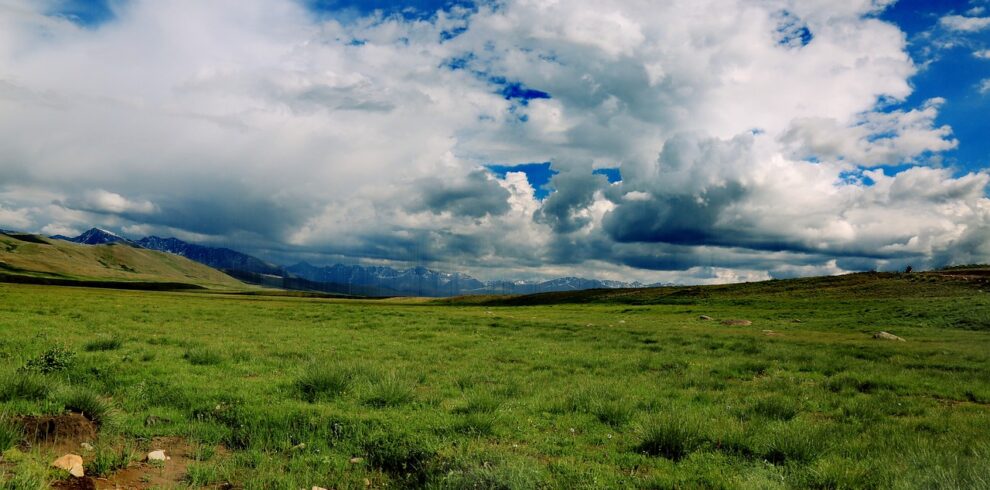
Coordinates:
[671,436]
[104,344]
[55,359]
[323,383]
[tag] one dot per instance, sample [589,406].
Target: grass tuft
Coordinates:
[323,383]
[390,390]
[672,436]
[24,386]
[55,359]
[89,405]
[10,433]
[203,357]
[103,344]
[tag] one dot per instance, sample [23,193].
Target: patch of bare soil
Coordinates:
[61,433]
[144,474]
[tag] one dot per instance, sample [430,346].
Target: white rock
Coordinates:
[158,455]
[73,463]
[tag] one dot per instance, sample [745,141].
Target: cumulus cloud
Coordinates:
[755,138]
[964,24]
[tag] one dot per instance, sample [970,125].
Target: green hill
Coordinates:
[34,259]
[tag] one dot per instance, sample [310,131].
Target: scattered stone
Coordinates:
[737,323]
[158,455]
[704,317]
[299,447]
[887,336]
[73,463]
[797,320]
[357,460]
[87,446]
[318,488]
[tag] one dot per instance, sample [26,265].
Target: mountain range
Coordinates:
[347,279]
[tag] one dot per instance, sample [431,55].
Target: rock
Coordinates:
[158,455]
[737,323]
[704,317]
[797,320]
[357,460]
[318,488]
[73,463]
[887,336]
[87,446]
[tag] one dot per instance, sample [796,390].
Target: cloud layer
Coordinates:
[754,138]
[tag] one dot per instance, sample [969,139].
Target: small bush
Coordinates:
[203,357]
[55,359]
[104,344]
[323,383]
[89,405]
[389,391]
[671,436]
[24,386]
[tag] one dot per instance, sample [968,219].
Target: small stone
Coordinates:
[887,336]
[73,463]
[318,488]
[87,446]
[357,460]
[299,447]
[158,455]
[704,317]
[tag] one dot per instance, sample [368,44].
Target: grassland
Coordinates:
[593,390]
[32,258]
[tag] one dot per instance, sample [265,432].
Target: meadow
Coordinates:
[630,389]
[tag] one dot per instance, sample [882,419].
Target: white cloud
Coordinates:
[982,54]
[984,87]
[251,122]
[964,24]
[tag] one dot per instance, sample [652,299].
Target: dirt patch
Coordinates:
[142,474]
[62,433]
[84,483]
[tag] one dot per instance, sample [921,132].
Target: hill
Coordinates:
[32,258]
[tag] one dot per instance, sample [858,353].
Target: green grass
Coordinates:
[597,391]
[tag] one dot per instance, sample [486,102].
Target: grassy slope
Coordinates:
[40,257]
[620,393]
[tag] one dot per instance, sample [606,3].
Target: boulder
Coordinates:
[73,463]
[887,336]
[158,455]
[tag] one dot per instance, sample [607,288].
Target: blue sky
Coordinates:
[763,139]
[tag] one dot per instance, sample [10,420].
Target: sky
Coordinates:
[688,141]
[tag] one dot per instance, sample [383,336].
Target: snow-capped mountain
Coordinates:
[347,279]
[96,236]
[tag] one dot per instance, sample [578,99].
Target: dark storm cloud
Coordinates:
[474,196]
[575,191]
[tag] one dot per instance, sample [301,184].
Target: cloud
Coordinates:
[984,86]
[982,54]
[755,139]
[964,24]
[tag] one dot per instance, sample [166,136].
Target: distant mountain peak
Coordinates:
[96,236]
